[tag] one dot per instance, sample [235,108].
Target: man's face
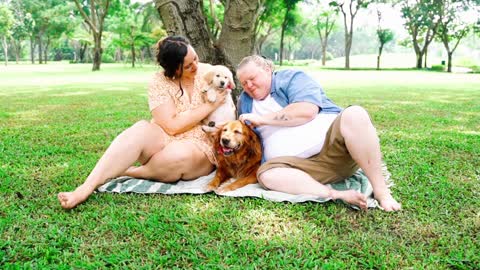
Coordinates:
[256,81]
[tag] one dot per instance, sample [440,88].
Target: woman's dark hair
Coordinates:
[171,52]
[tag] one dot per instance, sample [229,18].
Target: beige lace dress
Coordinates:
[161,89]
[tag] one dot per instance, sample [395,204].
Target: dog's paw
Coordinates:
[208,129]
[209,188]
[223,190]
[211,98]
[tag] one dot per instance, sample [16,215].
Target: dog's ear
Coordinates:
[231,81]
[208,77]
[255,146]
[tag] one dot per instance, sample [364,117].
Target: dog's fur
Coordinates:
[219,78]
[238,151]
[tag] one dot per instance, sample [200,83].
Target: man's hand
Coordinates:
[252,120]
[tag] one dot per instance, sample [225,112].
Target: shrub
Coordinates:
[438,68]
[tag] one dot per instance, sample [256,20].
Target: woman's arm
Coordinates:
[172,123]
[294,114]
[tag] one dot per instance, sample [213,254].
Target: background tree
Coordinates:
[384,36]
[325,22]
[94,13]
[351,7]
[269,21]
[453,26]
[422,18]
[22,28]
[127,24]
[289,20]
[6,17]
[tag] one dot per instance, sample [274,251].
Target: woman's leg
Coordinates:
[139,142]
[294,181]
[177,160]
[363,144]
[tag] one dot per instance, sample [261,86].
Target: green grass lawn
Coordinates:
[56,120]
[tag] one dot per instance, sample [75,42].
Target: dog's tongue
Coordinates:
[226,150]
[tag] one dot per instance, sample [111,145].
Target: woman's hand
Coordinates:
[221,98]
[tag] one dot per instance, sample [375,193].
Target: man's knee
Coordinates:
[355,117]
[267,179]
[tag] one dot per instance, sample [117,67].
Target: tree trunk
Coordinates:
[32,49]
[97,52]
[45,51]
[237,38]
[39,49]
[348,47]
[379,55]
[5,49]
[324,55]
[83,50]
[281,44]
[449,67]
[425,58]
[185,17]
[133,55]
[419,60]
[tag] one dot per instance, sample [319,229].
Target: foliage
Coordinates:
[385,35]
[6,17]
[437,68]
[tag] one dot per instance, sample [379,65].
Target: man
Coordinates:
[308,140]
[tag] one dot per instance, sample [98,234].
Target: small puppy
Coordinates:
[238,152]
[219,78]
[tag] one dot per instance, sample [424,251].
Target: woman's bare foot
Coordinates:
[69,200]
[387,202]
[350,196]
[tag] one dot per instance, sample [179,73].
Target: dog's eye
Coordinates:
[218,76]
[237,132]
[224,129]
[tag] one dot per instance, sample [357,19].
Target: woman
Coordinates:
[170,147]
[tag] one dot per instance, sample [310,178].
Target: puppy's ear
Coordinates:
[231,81]
[208,77]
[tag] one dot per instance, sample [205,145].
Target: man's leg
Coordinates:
[363,144]
[295,181]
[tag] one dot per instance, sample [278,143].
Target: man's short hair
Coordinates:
[258,60]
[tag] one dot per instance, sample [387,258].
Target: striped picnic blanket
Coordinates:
[125,184]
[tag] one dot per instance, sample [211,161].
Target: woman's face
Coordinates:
[190,63]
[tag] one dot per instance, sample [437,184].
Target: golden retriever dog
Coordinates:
[238,152]
[219,78]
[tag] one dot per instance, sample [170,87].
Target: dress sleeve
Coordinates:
[158,92]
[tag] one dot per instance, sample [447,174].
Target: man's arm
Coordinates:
[294,114]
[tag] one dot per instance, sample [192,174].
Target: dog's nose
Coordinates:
[225,141]
[222,83]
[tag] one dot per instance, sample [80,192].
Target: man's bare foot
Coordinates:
[388,203]
[350,196]
[69,200]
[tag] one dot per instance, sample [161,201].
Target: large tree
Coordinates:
[94,13]
[422,18]
[349,9]
[236,40]
[453,26]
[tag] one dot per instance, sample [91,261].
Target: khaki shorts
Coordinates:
[332,164]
